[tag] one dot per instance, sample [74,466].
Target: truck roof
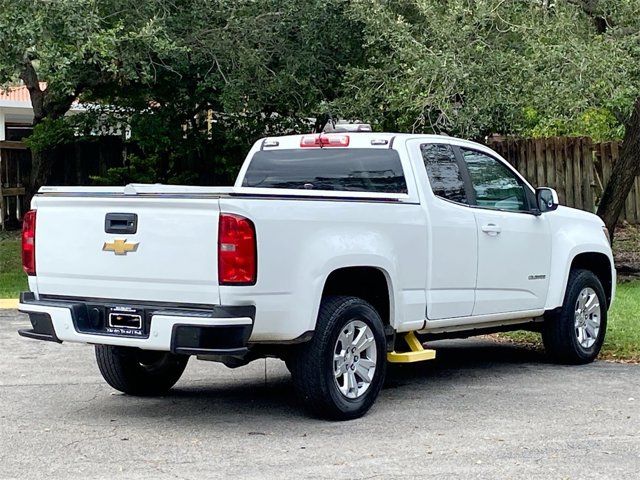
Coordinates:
[360,139]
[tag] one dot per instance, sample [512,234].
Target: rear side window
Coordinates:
[444,172]
[343,169]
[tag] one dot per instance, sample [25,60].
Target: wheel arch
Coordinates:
[371,283]
[600,265]
[593,260]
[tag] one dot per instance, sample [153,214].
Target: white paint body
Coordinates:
[446,267]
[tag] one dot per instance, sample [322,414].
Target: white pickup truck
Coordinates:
[329,252]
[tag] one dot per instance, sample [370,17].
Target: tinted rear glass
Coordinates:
[344,169]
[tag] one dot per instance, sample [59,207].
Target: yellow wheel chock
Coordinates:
[417,354]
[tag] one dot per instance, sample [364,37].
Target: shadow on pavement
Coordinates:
[464,358]
[233,400]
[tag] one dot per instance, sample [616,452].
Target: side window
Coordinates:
[444,172]
[494,184]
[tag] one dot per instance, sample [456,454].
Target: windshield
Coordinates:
[342,169]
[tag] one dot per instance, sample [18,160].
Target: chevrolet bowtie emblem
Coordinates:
[120,247]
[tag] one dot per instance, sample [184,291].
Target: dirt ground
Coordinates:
[626,248]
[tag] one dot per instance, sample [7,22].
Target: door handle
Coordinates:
[491,229]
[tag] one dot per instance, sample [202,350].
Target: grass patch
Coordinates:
[623,333]
[12,278]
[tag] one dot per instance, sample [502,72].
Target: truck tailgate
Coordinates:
[175,259]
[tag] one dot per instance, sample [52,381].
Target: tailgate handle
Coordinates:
[121,223]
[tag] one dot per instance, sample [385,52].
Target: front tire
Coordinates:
[338,374]
[139,372]
[574,333]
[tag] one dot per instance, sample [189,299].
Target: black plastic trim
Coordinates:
[30,298]
[121,223]
[164,308]
[466,177]
[529,325]
[210,339]
[38,336]
[390,335]
[534,212]
[211,351]
[305,337]
[42,328]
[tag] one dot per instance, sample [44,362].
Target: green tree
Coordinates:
[76,47]
[618,24]
[241,70]
[197,80]
[472,68]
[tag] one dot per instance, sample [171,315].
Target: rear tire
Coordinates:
[139,372]
[574,333]
[338,374]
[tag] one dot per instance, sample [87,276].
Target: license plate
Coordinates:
[125,321]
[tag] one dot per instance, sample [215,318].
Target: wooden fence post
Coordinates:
[588,176]
[560,179]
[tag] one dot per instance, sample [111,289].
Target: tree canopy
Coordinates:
[473,68]
[78,47]
[198,80]
[164,65]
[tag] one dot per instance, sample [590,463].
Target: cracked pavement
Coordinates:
[480,410]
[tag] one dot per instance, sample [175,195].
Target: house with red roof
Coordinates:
[16,123]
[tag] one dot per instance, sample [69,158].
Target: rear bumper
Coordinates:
[180,329]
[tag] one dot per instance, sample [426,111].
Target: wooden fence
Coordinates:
[74,164]
[13,156]
[576,167]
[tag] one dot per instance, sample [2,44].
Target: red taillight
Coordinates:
[324,141]
[29,242]
[237,258]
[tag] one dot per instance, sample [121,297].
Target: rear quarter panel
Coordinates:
[300,242]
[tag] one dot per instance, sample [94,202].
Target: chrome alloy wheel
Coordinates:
[354,359]
[587,317]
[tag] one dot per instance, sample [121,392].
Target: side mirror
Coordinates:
[547,199]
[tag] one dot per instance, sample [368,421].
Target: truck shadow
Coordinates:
[246,400]
[467,358]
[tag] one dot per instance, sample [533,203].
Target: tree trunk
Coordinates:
[41,169]
[45,105]
[624,172]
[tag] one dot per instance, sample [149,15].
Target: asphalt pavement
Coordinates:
[480,410]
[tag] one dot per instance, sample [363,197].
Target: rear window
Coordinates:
[343,169]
